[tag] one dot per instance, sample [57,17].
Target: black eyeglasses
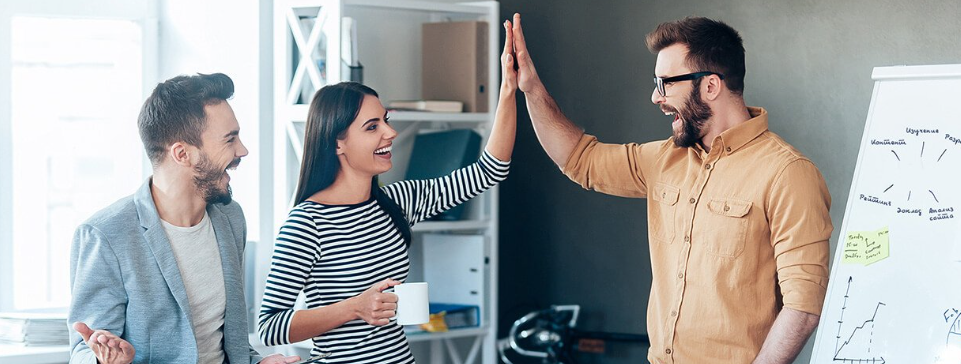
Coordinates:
[660,82]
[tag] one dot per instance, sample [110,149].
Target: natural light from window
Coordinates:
[76,89]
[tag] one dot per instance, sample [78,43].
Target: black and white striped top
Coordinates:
[334,252]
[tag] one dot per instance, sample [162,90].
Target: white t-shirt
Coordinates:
[198,256]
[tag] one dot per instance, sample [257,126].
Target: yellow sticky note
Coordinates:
[854,248]
[866,247]
[876,247]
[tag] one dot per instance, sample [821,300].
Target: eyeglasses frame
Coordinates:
[660,82]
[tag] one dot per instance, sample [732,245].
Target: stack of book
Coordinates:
[33,329]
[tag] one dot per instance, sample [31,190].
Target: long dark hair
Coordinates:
[332,110]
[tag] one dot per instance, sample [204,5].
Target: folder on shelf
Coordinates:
[447,316]
[348,45]
[351,69]
[438,154]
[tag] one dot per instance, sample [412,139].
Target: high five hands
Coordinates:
[516,65]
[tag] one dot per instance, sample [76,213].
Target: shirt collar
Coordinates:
[736,137]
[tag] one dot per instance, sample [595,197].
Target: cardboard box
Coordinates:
[455,63]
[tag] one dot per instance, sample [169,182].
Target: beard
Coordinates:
[693,117]
[208,179]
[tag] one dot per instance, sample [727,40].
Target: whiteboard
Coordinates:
[895,289]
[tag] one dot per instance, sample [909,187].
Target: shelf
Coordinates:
[298,113]
[384,27]
[421,336]
[428,226]
[34,355]
[425,6]
[465,117]
[452,334]
[428,6]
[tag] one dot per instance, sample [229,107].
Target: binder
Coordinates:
[438,154]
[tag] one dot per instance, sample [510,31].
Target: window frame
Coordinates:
[143,12]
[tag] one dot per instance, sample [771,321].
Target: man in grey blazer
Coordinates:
[159,274]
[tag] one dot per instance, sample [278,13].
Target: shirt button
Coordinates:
[728,149]
[667,351]
[727,208]
[687,239]
[680,276]
[707,166]
[673,313]
[693,200]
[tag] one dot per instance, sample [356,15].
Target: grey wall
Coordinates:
[808,62]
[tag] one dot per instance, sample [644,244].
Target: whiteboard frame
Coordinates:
[909,72]
[879,75]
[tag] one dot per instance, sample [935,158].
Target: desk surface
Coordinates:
[34,354]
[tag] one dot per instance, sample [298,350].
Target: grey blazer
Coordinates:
[124,279]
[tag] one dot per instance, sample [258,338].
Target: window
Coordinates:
[76,88]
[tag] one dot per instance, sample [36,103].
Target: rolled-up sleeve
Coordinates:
[614,169]
[800,230]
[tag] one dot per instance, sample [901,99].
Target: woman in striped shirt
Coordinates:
[346,240]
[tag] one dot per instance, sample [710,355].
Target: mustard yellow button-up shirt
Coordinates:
[735,235]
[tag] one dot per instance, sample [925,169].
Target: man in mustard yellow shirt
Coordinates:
[738,218]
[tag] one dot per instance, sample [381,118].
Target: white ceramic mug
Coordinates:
[412,303]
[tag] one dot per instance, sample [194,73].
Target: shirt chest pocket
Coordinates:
[726,226]
[661,211]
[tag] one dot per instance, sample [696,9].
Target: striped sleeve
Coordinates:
[422,199]
[295,252]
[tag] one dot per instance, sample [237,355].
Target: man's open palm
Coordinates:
[109,348]
[526,74]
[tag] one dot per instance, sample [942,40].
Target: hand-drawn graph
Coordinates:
[856,346]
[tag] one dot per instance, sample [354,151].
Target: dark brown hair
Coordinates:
[712,46]
[331,112]
[174,112]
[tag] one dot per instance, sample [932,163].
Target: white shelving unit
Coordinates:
[307,35]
